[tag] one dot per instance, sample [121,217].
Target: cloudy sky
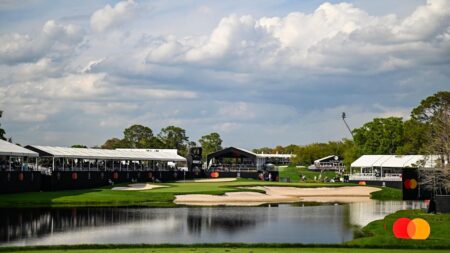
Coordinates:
[261,72]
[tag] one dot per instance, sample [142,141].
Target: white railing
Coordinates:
[372,177]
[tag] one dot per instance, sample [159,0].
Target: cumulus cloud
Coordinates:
[57,39]
[257,79]
[108,17]
[320,41]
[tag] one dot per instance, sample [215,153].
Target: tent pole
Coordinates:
[53,163]
[9,163]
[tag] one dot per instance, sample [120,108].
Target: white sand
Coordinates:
[212,180]
[280,195]
[138,187]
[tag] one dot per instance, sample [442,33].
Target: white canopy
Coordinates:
[324,158]
[108,154]
[9,149]
[395,161]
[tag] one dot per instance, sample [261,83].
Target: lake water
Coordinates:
[298,223]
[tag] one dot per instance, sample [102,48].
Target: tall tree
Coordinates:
[113,143]
[2,131]
[210,143]
[138,136]
[174,137]
[380,136]
[434,112]
[414,137]
[432,107]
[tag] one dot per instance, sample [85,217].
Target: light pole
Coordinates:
[345,122]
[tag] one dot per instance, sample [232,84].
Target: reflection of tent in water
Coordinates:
[238,159]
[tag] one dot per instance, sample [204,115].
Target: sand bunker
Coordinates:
[280,195]
[209,180]
[138,187]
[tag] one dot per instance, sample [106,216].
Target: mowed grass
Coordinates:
[294,172]
[160,197]
[379,233]
[223,250]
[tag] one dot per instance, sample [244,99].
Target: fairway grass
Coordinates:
[160,197]
[293,173]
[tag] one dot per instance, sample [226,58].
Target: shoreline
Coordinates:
[279,195]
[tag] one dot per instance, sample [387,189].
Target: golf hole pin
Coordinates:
[416,229]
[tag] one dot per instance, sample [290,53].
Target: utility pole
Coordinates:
[345,122]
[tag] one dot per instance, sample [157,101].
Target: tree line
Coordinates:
[426,132]
[170,137]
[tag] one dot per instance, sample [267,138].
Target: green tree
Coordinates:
[138,136]
[380,136]
[2,131]
[431,107]
[264,150]
[79,146]
[434,113]
[414,137]
[175,138]
[210,143]
[113,143]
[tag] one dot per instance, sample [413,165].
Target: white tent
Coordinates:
[394,161]
[108,154]
[9,149]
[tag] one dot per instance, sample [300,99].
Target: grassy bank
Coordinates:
[379,233]
[160,197]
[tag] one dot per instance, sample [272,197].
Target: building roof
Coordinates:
[10,149]
[109,154]
[395,161]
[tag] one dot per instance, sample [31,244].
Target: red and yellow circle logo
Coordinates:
[410,184]
[416,229]
[215,174]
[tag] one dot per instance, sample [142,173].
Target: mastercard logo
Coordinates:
[410,184]
[416,229]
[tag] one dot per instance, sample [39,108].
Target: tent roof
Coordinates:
[275,155]
[231,152]
[108,154]
[395,161]
[10,149]
[324,158]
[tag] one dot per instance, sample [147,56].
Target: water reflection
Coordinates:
[284,223]
[362,214]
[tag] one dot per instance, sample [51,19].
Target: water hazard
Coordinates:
[299,223]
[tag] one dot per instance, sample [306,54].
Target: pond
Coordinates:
[296,223]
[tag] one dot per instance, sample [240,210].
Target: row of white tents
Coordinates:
[30,154]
